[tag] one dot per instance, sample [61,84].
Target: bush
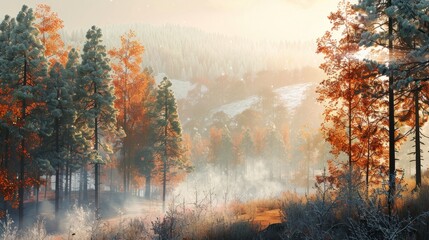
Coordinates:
[7,230]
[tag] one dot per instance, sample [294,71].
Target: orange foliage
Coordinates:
[49,24]
[132,85]
[355,122]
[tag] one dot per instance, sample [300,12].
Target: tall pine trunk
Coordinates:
[57,170]
[22,162]
[392,167]
[80,195]
[96,167]
[368,158]
[85,186]
[164,175]
[125,176]
[48,180]
[37,196]
[70,187]
[66,186]
[5,162]
[417,138]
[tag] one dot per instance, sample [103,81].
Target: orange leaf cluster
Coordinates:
[355,123]
[49,24]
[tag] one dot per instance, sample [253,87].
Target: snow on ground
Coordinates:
[179,87]
[237,107]
[291,96]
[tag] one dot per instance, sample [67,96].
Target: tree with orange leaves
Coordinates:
[133,87]
[354,114]
[48,23]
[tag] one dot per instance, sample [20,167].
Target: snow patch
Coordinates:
[179,87]
[291,96]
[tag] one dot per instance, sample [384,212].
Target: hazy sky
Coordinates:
[270,19]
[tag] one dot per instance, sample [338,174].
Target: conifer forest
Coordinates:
[214,119]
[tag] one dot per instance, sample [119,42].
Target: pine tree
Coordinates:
[94,96]
[8,113]
[77,134]
[401,28]
[61,116]
[24,68]
[412,32]
[147,133]
[169,133]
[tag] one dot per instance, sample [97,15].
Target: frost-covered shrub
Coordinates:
[374,223]
[36,232]
[80,223]
[7,229]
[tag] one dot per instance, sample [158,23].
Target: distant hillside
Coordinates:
[291,97]
[189,54]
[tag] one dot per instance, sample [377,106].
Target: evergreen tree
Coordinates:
[23,70]
[61,116]
[94,96]
[148,136]
[77,135]
[169,133]
[413,34]
[379,12]
[6,115]
[401,27]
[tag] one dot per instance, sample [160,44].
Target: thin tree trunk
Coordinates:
[164,177]
[37,198]
[66,186]
[57,170]
[6,151]
[125,178]
[97,170]
[5,163]
[147,189]
[81,187]
[85,186]
[70,187]
[22,162]
[417,138]
[308,174]
[367,167]
[97,167]
[392,168]
[48,179]
[129,179]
